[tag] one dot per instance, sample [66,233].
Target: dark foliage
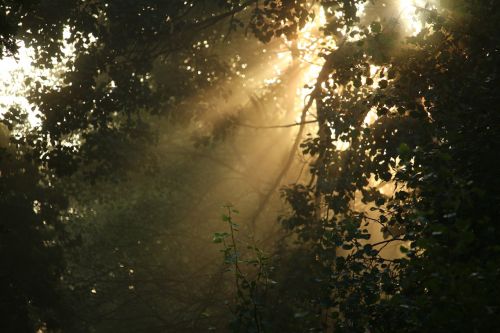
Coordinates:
[395,231]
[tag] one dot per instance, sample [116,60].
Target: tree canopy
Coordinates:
[356,140]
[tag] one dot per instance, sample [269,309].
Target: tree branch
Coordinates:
[276,126]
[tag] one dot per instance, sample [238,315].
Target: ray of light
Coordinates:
[412,23]
[13,73]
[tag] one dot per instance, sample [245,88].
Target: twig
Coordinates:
[276,126]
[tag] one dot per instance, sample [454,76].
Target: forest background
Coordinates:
[349,145]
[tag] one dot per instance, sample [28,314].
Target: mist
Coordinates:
[248,166]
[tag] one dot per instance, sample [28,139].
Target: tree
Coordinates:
[418,178]
[102,111]
[31,232]
[391,229]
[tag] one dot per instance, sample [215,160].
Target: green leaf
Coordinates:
[376,27]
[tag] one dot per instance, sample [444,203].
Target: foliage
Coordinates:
[100,115]
[393,231]
[30,242]
[251,281]
[429,145]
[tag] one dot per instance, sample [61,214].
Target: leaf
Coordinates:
[376,27]
[300,314]
[403,148]
[219,237]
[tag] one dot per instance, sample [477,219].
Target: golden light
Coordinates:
[310,41]
[411,21]
[13,73]
[370,118]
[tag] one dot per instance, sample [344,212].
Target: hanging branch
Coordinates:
[276,126]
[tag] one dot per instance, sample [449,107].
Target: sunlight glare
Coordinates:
[408,15]
[17,75]
[371,117]
[13,73]
[310,42]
